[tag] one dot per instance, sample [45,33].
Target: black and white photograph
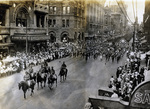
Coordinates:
[74,54]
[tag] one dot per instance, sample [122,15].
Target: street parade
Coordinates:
[74,54]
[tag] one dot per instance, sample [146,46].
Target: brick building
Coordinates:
[30,22]
[115,20]
[66,20]
[94,17]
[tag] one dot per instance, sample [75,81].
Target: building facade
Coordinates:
[30,22]
[117,21]
[146,20]
[94,17]
[66,20]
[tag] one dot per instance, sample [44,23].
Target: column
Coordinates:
[7,18]
[40,21]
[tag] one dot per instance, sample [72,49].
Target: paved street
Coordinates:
[84,79]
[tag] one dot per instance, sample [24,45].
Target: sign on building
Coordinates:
[140,97]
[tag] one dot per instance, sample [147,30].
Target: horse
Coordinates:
[24,85]
[63,74]
[40,78]
[51,80]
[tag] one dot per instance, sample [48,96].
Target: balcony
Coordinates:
[41,8]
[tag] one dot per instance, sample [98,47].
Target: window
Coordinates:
[67,23]
[21,20]
[79,12]
[54,22]
[78,25]
[75,10]
[50,23]
[2,20]
[75,24]
[64,10]
[90,26]
[106,21]
[51,10]
[54,10]
[68,10]
[40,19]
[63,23]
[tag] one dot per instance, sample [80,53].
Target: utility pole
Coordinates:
[133,38]
[26,39]
[48,19]
[135,29]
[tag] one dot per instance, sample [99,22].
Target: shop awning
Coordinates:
[31,38]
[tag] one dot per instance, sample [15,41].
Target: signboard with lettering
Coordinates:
[140,97]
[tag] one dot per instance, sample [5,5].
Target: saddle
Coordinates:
[63,71]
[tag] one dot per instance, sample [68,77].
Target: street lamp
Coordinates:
[48,19]
[26,37]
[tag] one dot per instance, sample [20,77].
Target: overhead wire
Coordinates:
[123,12]
[133,8]
[136,12]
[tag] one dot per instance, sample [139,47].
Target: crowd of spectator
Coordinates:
[9,65]
[127,78]
[22,61]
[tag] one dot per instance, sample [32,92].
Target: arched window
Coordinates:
[21,19]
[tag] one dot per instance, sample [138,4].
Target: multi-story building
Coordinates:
[66,20]
[107,20]
[34,22]
[146,20]
[27,23]
[117,21]
[94,17]
[23,23]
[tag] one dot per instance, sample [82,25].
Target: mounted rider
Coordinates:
[52,75]
[63,72]
[63,66]
[27,78]
[52,70]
